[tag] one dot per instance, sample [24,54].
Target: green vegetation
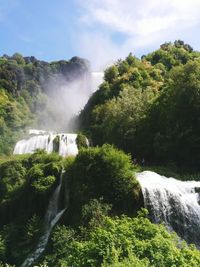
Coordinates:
[95,230]
[81,141]
[26,183]
[119,241]
[24,90]
[15,115]
[25,186]
[103,172]
[150,107]
[172,171]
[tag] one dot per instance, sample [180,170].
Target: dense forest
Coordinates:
[146,108]
[150,107]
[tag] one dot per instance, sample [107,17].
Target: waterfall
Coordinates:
[67,146]
[173,202]
[44,140]
[96,80]
[52,216]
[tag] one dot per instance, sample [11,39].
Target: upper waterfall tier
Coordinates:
[173,202]
[63,143]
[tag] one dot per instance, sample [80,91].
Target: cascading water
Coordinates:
[173,202]
[44,140]
[96,80]
[66,146]
[52,216]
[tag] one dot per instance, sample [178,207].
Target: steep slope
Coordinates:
[150,107]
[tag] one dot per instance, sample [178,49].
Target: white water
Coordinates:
[52,216]
[96,80]
[44,140]
[173,202]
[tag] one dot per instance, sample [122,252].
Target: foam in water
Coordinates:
[44,140]
[173,202]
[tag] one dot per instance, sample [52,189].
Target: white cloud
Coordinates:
[142,22]
[140,16]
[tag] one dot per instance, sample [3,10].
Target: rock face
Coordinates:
[173,202]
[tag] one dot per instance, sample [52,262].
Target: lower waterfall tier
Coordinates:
[173,202]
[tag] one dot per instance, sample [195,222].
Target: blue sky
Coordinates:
[100,30]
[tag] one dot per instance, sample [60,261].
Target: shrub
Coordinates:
[81,141]
[103,172]
[121,242]
[12,179]
[43,184]
[94,212]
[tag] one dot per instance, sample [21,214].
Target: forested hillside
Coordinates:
[87,210]
[24,89]
[150,107]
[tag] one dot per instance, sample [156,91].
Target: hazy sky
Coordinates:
[99,30]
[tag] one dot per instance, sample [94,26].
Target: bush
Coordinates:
[12,179]
[43,176]
[45,170]
[94,212]
[81,141]
[43,184]
[103,172]
[41,156]
[121,242]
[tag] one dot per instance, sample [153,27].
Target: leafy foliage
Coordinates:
[81,141]
[94,212]
[103,172]
[150,107]
[25,236]
[25,186]
[121,241]
[128,73]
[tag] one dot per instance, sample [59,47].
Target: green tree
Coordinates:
[103,172]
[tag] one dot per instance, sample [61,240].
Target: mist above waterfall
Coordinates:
[65,99]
